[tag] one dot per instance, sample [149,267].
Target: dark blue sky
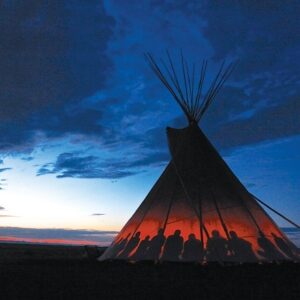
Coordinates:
[79,101]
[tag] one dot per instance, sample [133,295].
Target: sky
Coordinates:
[83,118]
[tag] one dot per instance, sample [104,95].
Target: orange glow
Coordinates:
[149,228]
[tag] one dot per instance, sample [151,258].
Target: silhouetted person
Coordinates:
[240,248]
[119,246]
[155,246]
[141,251]
[284,246]
[193,250]
[173,247]
[133,242]
[268,251]
[216,247]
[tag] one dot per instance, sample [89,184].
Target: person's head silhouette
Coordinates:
[177,232]
[192,236]
[215,234]
[233,234]
[137,235]
[160,231]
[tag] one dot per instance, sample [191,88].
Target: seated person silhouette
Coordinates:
[173,247]
[268,251]
[193,249]
[119,246]
[140,253]
[216,247]
[241,249]
[284,246]
[155,246]
[132,243]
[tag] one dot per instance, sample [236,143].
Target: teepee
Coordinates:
[198,210]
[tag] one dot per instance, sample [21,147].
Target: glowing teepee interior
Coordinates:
[198,210]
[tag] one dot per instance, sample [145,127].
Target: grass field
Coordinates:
[66,272]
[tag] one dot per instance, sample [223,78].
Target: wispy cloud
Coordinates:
[97,214]
[77,165]
[27,158]
[4,169]
[58,235]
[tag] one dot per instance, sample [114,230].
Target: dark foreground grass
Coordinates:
[73,278]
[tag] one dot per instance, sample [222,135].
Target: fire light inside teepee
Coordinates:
[198,210]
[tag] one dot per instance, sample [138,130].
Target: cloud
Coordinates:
[263,35]
[60,234]
[81,78]
[78,166]
[267,124]
[73,165]
[4,169]
[28,158]
[2,183]
[97,214]
[53,54]
[84,121]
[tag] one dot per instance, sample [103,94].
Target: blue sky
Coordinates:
[82,127]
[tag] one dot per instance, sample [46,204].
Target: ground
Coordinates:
[58,272]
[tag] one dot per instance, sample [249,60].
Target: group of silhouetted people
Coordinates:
[173,248]
[269,249]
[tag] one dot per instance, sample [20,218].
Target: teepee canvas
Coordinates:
[198,210]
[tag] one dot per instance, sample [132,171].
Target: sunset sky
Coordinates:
[82,116]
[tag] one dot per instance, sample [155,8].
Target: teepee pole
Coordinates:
[250,214]
[156,69]
[169,208]
[197,103]
[220,215]
[201,220]
[185,80]
[240,199]
[276,212]
[188,197]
